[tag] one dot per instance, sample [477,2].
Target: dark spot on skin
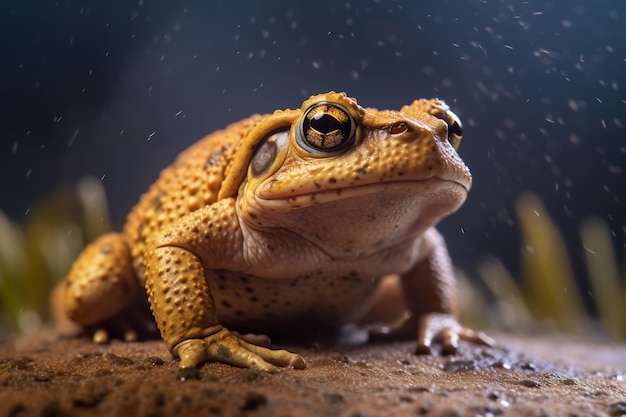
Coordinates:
[317,184]
[254,299]
[252,215]
[244,279]
[224,352]
[400,174]
[221,287]
[271,248]
[362,170]
[294,283]
[430,168]
[250,290]
[226,304]
[156,202]
[239,313]
[332,180]
[215,157]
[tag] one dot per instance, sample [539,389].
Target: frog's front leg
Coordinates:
[430,292]
[100,286]
[179,265]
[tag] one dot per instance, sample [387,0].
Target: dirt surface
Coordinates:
[48,375]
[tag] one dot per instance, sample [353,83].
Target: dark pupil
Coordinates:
[455,128]
[325,123]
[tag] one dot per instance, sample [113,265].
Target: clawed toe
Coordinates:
[445,329]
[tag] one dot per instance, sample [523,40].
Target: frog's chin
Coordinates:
[432,189]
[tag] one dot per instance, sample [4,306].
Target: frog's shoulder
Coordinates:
[192,181]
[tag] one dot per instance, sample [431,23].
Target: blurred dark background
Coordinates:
[116,89]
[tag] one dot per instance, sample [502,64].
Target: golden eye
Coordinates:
[326,127]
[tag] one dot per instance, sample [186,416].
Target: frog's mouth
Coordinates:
[434,189]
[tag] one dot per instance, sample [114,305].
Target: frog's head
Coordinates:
[350,177]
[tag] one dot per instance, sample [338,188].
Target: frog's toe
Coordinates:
[225,347]
[444,328]
[255,339]
[118,326]
[100,336]
[281,357]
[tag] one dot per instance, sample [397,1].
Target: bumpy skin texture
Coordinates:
[286,223]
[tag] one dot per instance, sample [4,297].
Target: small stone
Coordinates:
[502,364]
[154,361]
[18,365]
[419,389]
[334,398]
[529,383]
[424,408]
[528,366]
[461,366]
[115,360]
[618,409]
[254,400]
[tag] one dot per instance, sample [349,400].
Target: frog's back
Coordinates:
[191,182]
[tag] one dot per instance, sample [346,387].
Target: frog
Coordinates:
[293,221]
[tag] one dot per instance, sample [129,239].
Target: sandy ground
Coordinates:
[49,375]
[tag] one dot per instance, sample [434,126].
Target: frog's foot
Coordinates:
[224,346]
[444,328]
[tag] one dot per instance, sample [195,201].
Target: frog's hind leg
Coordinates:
[100,285]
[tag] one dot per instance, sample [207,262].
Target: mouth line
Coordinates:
[354,189]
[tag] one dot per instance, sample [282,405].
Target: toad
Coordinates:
[286,222]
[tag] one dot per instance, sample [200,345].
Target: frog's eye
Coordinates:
[455,129]
[325,127]
[268,152]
